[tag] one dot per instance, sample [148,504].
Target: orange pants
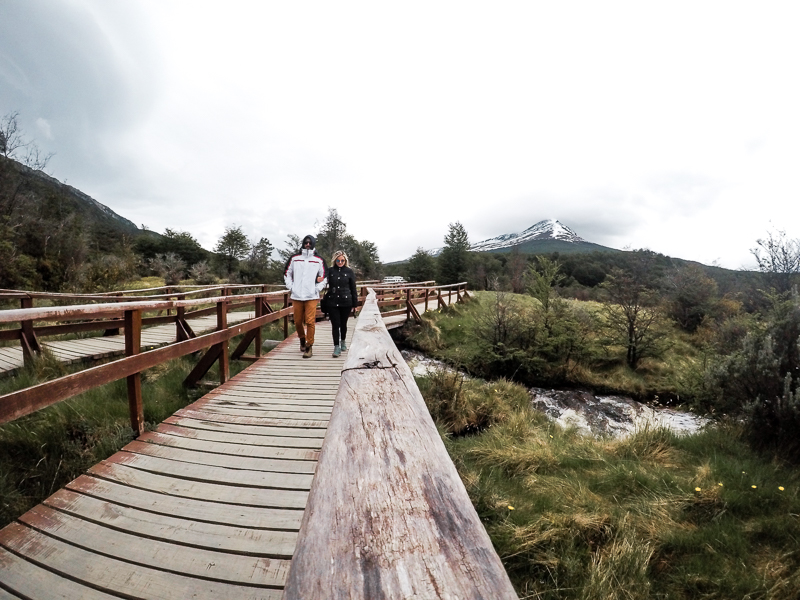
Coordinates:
[305,313]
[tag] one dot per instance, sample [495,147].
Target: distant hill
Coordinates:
[23,191]
[49,230]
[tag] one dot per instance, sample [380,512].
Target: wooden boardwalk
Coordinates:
[70,351]
[207,506]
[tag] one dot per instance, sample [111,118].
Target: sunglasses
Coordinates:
[341,260]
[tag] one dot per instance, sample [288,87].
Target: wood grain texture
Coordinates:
[399,522]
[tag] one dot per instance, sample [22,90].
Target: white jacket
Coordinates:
[301,275]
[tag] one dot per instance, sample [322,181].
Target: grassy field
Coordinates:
[651,516]
[654,515]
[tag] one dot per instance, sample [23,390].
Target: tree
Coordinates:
[258,266]
[13,143]
[691,294]
[454,257]
[232,246]
[544,275]
[632,311]
[517,265]
[778,258]
[332,234]
[292,246]
[421,266]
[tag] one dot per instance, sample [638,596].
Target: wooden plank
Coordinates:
[400,523]
[246,478]
[245,541]
[156,553]
[186,488]
[210,459]
[261,413]
[255,431]
[276,404]
[32,581]
[270,398]
[118,576]
[231,446]
[198,510]
[264,436]
[208,416]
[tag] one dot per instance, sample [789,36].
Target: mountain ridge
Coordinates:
[548,235]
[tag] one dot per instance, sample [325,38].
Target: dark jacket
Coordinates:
[342,289]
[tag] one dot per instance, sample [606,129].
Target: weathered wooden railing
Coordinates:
[28,334]
[388,516]
[408,296]
[129,316]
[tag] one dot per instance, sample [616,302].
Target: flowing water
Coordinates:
[616,416]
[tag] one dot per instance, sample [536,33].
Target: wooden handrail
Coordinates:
[387,515]
[17,404]
[66,313]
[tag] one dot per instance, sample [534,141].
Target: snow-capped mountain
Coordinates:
[550,229]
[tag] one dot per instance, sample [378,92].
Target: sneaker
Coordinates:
[307,353]
[302,345]
[344,346]
[337,350]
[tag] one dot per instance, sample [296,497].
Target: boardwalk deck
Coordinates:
[71,351]
[207,506]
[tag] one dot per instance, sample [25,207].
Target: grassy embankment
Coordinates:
[651,516]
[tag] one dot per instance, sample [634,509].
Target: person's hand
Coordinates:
[320,279]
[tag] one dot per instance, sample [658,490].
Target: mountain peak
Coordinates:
[549,229]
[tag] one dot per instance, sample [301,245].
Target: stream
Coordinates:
[615,416]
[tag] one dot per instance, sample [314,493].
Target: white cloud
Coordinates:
[672,126]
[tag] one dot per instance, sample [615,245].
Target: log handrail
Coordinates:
[387,515]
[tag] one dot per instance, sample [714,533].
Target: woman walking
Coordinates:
[341,298]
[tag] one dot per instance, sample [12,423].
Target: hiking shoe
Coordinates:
[337,350]
[307,353]
[344,346]
[302,345]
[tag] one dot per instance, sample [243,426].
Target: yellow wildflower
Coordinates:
[510,507]
[719,484]
[754,486]
[697,489]
[780,487]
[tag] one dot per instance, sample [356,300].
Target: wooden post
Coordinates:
[133,342]
[27,336]
[408,304]
[426,299]
[286,318]
[259,312]
[222,323]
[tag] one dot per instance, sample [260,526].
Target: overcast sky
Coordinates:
[673,126]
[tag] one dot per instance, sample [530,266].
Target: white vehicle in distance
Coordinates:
[395,279]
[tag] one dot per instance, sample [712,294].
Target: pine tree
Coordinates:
[454,258]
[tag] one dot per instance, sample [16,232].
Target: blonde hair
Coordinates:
[336,255]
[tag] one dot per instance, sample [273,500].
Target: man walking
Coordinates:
[305,279]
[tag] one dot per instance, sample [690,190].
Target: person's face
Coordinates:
[340,261]
[306,243]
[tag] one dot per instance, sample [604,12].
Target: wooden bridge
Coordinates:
[297,479]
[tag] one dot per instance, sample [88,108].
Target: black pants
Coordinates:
[339,315]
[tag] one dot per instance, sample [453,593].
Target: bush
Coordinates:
[759,380]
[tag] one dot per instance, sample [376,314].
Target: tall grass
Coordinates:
[654,515]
